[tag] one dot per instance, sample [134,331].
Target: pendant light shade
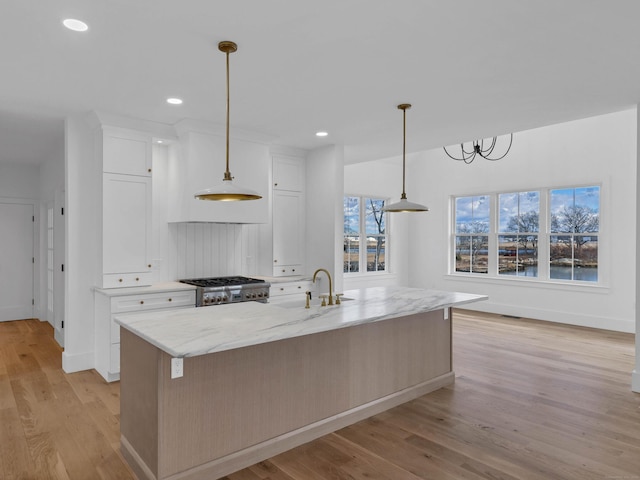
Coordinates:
[227,191]
[404,205]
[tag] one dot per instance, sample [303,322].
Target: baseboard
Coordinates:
[635,381]
[77,362]
[569,318]
[262,451]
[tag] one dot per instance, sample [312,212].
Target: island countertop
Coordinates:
[199,331]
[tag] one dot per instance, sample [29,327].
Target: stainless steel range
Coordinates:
[222,290]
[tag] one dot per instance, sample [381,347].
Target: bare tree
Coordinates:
[375,208]
[525,223]
[576,219]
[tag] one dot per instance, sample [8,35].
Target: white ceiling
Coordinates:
[470,68]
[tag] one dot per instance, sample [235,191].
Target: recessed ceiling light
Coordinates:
[159,141]
[321,134]
[75,25]
[174,101]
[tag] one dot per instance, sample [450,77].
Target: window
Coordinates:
[365,235]
[575,223]
[546,234]
[472,228]
[518,226]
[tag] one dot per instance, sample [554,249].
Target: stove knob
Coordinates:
[253,295]
[247,295]
[260,295]
[218,299]
[224,299]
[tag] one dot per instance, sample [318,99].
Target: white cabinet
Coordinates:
[289,290]
[124,233]
[288,173]
[288,231]
[288,216]
[107,306]
[126,151]
[126,230]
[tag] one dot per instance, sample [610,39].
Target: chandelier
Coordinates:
[468,155]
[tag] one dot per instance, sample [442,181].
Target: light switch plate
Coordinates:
[176,368]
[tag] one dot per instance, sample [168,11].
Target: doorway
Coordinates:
[17,224]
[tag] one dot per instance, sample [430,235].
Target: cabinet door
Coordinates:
[288,225]
[126,223]
[288,174]
[126,152]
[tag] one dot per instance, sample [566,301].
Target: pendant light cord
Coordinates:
[227,173]
[404,107]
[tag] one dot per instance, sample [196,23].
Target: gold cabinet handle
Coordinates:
[137,279]
[149,265]
[120,280]
[141,302]
[149,170]
[170,299]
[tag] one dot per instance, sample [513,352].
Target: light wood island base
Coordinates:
[234,408]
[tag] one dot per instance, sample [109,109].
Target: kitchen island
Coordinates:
[258,379]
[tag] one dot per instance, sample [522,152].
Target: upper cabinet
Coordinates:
[288,173]
[126,152]
[124,232]
[197,162]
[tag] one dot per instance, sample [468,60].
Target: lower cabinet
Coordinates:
[289,290]
[108,305]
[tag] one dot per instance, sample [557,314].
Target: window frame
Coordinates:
[362,234]
[544,239]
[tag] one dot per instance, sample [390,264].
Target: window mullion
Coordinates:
[544,235]
[492,267]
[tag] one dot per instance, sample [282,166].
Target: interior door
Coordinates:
[16,261]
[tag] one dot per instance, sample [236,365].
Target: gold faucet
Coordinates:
[330,284]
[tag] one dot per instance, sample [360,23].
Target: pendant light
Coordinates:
[227,191]
[404,205]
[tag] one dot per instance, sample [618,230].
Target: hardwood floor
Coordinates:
[532,400]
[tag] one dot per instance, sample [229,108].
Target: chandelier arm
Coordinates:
[490,148]
[505,153]
[451,156]
[473,148]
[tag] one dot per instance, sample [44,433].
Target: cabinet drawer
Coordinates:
[287,270]
[116,280]
[151,301]
[279,289]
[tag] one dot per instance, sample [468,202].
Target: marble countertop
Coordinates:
[199,331]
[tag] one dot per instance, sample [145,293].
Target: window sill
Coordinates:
[524,282]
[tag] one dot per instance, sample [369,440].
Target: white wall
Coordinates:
[597,150]
[324,197]
[382,179]
[81,252]
[19,181]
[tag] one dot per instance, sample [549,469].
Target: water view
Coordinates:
[558,273]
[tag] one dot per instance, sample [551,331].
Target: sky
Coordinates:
[476,208]
[352,216]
